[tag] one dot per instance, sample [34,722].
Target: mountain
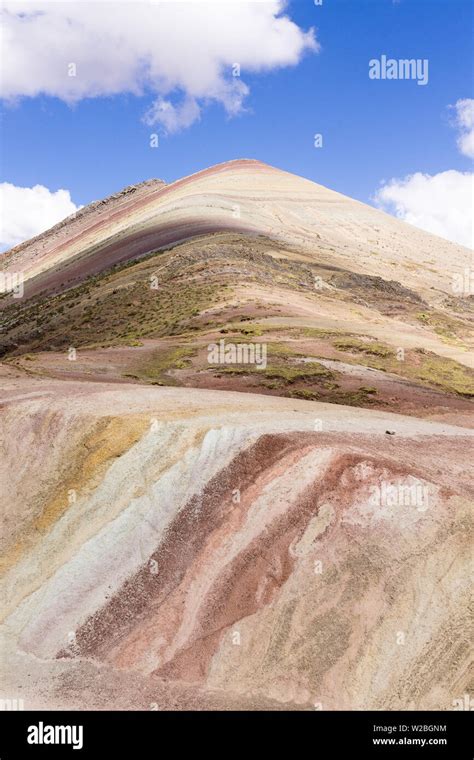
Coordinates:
[242,196]
[235,413]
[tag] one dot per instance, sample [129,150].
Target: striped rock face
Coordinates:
[184,529]
[243,196]
[165,549]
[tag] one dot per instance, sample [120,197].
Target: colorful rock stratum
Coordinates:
[285,526]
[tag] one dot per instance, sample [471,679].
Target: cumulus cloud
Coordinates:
[183,53]
[440,203]
[172,117]
[464,121]
[27,211]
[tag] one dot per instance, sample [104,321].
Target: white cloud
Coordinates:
[464,121]
[440,203]
[27,211]
[172,117]
[179,50]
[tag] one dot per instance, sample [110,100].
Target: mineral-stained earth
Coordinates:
[183,533]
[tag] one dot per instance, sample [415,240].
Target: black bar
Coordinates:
[312,734]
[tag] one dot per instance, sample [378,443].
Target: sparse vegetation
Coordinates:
[195,298]
[450,330]
[373,348]
[156,370]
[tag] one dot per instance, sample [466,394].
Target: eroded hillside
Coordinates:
[284,526]
[236,551]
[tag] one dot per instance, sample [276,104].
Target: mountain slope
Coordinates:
[239,196]
[182,531]
[229,550]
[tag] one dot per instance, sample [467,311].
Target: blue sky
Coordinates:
[372,130]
